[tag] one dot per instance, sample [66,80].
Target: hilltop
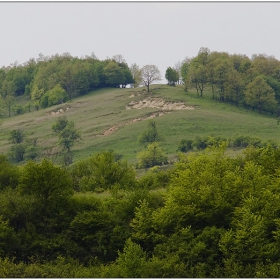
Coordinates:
[113,118]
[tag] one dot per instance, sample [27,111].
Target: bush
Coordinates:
[185,145]
[199,143]
[152,156]
[103,171]
[9,174]
[154,179]
[18,110]
[150,135]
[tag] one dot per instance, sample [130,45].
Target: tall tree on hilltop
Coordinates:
[136,74]
[150,73]
[172,76]
[197,75]
[185,66]
[114,75]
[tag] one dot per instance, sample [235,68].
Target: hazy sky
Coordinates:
[160,33]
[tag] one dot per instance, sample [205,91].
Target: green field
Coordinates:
[99,110]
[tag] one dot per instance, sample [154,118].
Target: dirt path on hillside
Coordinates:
[116,127]
[157,103]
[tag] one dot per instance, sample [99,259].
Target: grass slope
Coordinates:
[102,109]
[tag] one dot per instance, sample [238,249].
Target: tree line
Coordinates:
[48,81]
[216,215]
[56,79]
[254,83]
[237,79]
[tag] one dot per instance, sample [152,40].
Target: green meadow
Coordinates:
[103,109]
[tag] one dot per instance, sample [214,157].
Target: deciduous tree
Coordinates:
[260,95]
[150,135]
[103,170]
[152,156]
[172,76]
[136,74]
[150,74]
[67,136]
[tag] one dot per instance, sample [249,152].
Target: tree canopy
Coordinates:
[150,74]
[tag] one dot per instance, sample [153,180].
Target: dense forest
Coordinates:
[210,213]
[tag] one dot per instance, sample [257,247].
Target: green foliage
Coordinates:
[48,183]
[67,136]
[275,85]
[155,178]
[142,226]
[212,215]
[234,78]
[104,171]
[60,124]
[53,80]
[31,152]
[185,145]
[9,174]
[260,95]
[152,156]
[131,262]
[199,143]
[150,135]
[36,93]
[185,68]
[7,238]
[136,74]
[93,231]
[17,152]
[150,74]
[172,76]
[2,105]
[234,89]
[60,268]
[18,109]
[22,149]
[16,136]
[9,102]
[218,217]
[114,75]
[54,96]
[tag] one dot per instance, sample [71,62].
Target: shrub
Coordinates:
[185,145]
[152,156]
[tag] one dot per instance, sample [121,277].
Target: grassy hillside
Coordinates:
[101,110]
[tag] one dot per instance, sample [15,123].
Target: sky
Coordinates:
[159,33]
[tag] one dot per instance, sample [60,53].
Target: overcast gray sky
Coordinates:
[160,33]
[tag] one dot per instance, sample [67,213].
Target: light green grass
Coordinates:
[102,109]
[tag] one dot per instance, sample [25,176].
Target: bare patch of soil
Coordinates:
[158,103]
[59,111]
